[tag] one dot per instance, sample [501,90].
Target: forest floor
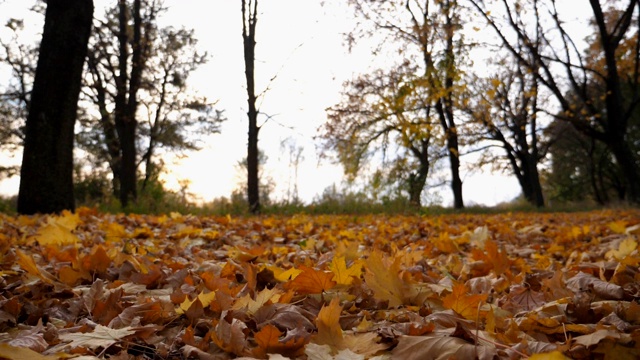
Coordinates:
[500,286]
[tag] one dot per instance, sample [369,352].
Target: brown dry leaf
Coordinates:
[324,352]
[585,282]
[30,338]
[434,347]
[595,337]
[284,316]
[100,337]
[231,337]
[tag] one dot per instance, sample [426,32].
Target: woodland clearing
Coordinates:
[501,286]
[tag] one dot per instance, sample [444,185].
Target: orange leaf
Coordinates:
[497,257]
[312,281]
[462,303]
[98,261]
[268,340]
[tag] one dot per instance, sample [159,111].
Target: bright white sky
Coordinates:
[299,41]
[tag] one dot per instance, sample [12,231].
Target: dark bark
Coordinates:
[418,179]
[125,119]
[46,182]
[128,84]
[249,20]
[451,130]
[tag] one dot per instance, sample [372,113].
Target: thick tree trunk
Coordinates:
[249,18]
[416,185]
[536,197]
[46,182]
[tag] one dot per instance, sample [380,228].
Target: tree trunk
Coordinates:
[46,181]
[126,102]
[454,162]
[625,158]
[536,198]
[249,20]
[451,131]
[416,185]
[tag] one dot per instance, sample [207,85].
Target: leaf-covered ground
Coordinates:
[507,286]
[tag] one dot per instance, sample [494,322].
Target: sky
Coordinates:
[300,45]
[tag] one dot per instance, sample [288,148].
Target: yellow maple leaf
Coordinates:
[262,298]
[58,231]
[16,353]
[385,281]
[462,303]
[205,300]
[626,247]
[343,275]
[27,263]
[618,227]
[283,275]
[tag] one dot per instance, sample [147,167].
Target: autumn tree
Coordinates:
[564,69]
[21,59]
[149,72]
[385,112]
[428,33]
[46,174]
[504,110]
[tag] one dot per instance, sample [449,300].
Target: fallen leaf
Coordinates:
[328,324]
[311,281]
[385,280]
[100,337]
[435,347]
[462,303]
[584,282]
[343,275]
[19,353]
